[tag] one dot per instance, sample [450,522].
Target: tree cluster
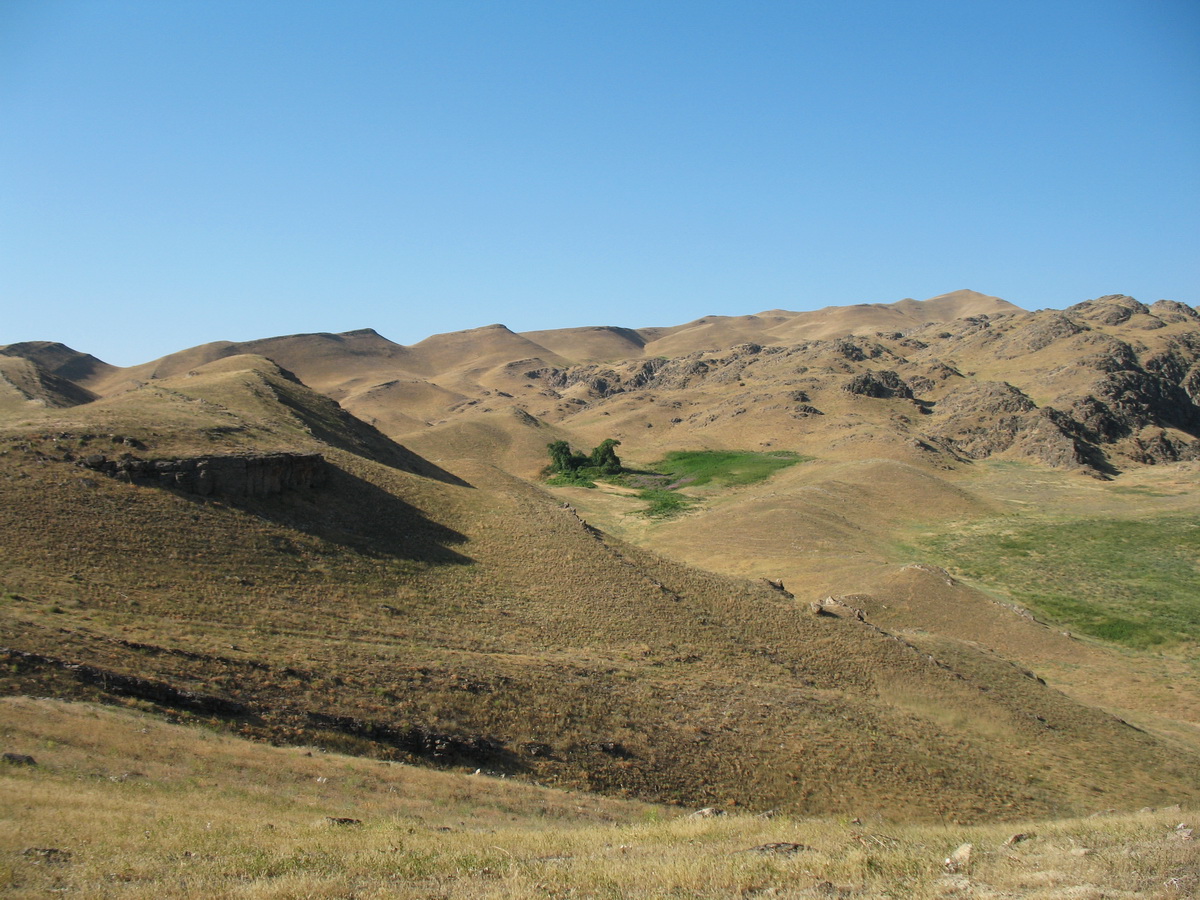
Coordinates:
[603,459]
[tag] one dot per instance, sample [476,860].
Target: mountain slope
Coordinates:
[394,608]
[217,538]
[445,378]
[60,360]
[24,384]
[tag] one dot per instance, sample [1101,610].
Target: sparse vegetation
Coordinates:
[1130,581]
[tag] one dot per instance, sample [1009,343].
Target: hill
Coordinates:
[121,802]
[215,538]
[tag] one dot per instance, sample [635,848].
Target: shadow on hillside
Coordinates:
[419,465]
[354,513]
[337,427]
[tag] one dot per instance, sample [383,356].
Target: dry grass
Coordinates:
[123,805]
[400,597]
[486,611]
[397,600]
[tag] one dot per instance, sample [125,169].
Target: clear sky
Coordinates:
[174,172]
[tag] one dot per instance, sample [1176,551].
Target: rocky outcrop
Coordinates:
[1153,447]
[882,385]
[1054,438]
[1044,331]
[251,475]
[986,399]
[1114,380]
[989,417]
[1121,403]
[601,381]
[1111,309]
[1172,312]
[856,350]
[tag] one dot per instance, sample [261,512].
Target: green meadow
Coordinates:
[1134,582]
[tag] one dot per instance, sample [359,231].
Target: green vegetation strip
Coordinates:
[727,467]
[659,487]
[1132,582]
[692,468]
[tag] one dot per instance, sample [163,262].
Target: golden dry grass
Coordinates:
[406,599]
[123,805]
[467,603]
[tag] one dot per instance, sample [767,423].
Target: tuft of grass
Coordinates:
[1133,582]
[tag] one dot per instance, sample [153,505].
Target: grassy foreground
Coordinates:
[121,804]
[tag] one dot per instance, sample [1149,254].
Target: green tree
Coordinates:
[605,458]
[561,459]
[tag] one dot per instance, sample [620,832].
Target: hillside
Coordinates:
[213,537]
[120,803]
[1099,386]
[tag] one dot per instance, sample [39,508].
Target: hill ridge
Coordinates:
[429,583]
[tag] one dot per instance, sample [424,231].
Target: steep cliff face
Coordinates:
[254,475]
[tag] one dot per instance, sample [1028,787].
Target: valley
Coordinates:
[923,565]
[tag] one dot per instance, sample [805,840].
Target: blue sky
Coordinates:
[173,173]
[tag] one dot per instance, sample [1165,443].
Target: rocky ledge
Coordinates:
[249,475]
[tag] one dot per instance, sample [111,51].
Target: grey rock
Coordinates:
[249,475]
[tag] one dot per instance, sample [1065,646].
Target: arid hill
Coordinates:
[338,539]
[1099,386]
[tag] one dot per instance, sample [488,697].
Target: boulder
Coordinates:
[959,860]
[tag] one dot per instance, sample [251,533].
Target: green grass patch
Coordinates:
[726,467]
[692,468]
[1132,582]
[659,486]
[663,503]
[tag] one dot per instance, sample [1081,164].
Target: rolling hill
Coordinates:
[339,540]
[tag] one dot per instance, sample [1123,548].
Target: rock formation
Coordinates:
[251,475]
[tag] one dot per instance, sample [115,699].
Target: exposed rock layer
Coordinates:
[257,475]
